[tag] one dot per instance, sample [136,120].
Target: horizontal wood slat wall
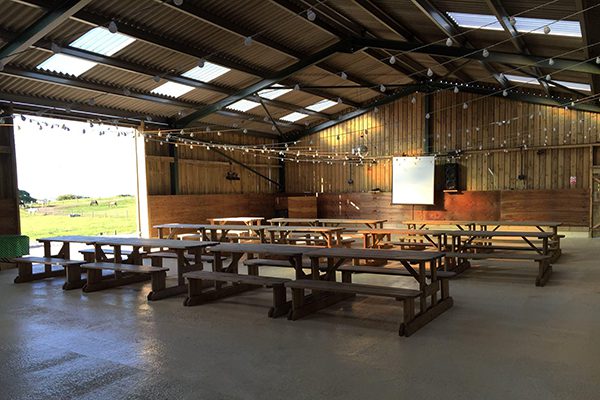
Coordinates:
[568,206]
[198,208]
[202,171]
[501,139]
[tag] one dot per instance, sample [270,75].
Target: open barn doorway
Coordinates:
[75,177]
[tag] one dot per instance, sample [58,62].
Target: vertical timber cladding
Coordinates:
[202,171]
[491,131]
[395,129]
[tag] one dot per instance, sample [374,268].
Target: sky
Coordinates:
[54,161]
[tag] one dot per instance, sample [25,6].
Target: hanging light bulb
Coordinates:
[156,78]
[245,130]
[413,100]
[456,89]
[449,42]
[178,2]
[392,59]
[429,72]
[310,14]
[597,60]
[505,93]
[547,29]
[427,116]
[376,110]
[201,62]
[382,88]
[548,77]
[296,87]
[112,27]
[512,20]
[485,53]
[465,106]
[126,92]
[92,101]
[339,100]
[551,61]
[247,40]
[343,75]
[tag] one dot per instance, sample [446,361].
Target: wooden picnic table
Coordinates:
[179,247]
[369,223]
[287,221]
[419,265]
[542,226]
[373,238]
[281,234]
[462,240]
[237,220]
[65,250]
[211,232]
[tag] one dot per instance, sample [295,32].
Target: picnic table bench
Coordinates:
[123,274]
[70,268]
[332,236]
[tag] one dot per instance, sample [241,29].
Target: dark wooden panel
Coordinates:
[570,207]
[195,209]
[9,217]
[302,206]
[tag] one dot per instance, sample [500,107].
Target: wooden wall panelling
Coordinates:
[302,206]
[568,206]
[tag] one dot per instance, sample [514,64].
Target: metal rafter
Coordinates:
[586,67]
[180,47]
[103,88]
[342,46]
[516,39]
[395,26]
[449,28]
[43,26]
[591,34]
[236,29]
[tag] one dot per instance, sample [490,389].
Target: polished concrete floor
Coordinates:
[503,339]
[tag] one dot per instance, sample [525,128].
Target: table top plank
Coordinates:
[71,239]
[491,234]
[309,229]
[264,248]
[478,222]
[377,254]
[142,242]
[211,227]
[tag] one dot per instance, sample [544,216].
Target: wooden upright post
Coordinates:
[9,192]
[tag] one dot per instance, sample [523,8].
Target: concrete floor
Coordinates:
[503,339]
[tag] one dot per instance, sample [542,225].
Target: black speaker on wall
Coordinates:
[451,177]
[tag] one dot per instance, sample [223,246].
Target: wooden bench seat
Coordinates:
[301,308]
[347,242]
[89,255]
[366,269]
[158,256]
[268,262]
[25,267]
[197,294]
[544,267]
[124,274]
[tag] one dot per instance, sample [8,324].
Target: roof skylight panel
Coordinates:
[207,73]
[64,64]
[522,79]
[243,105]
[99,40]
[172,89]
[321,105]
[293,117]
[272,92]
[523,24]
[574,85]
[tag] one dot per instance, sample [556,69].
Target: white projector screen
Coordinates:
[413,180]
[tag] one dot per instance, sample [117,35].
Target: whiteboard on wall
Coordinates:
[413,180]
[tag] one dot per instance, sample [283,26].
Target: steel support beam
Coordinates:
[476,54]
[502,16]
[403,92]
[342,46]
[95,87]
[395,26]
[449,28]
[43,26]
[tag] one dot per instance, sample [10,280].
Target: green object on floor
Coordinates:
[13,246]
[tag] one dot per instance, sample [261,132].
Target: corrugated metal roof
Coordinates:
[268,21]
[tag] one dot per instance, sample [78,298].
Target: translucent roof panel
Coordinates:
[272,92]
[321,105]
[522,79]
[293,117]
[64,64]
[523,24]
[207,73]
[243,105]
[172,89]
[574,85]
[99,40]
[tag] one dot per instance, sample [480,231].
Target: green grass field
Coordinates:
[53,219]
